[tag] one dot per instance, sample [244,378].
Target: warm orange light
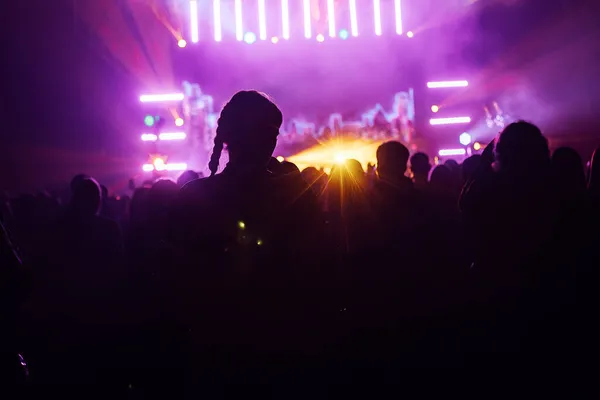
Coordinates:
[178,121]
[182,43]
[435,108]
[476,146]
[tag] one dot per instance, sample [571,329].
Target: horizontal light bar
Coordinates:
[447,84]
[448,121]
[452,152]
[151,137]
[161,98]
[165,167]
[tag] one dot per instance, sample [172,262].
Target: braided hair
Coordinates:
[248,115]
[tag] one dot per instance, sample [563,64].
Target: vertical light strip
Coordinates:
[331,17]
[262,20]
[239,22]
[353,19]
[194,21]
[377,11]
[285,19]
[307,16]
[398,8]
[217,20]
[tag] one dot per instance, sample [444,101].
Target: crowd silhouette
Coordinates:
[264,271]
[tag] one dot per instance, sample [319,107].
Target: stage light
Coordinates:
[280,159]
[194,21]
[452,152]
[176,167]
[448,121]
[217,20]
[159,164]
[249,37]
[262,20]
[353,18]
[172,136]
[344,34]
[331,17]
[377,12]
[149,121]
[285,19]
[148,167]
[274,40]
[447,84]
[182,43]
[161,98]
[410,34]
[320,38]
[435,108]
[149,137]
[398,12]
[464,139]
[307,17]
[178,121]
[239,22]
[476,146]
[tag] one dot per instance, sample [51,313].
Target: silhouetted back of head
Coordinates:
[87,198]
[442,180]
[186,177]
[522,150]
[470,165]
[392,160]
[419,164]
[249,124]
[568,170]
[77,179]
[289,168]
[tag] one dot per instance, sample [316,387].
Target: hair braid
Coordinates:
[213,164]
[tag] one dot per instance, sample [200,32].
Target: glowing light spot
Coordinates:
[280,158]
[320,38]
[149,120]
[249,37]
[464,139]
[274,39]
[259,242]
[410,34]
[159,164]
[182,43]
[344,34]
[178,121]
[435,108]
[340,158]
[241,225]
[476,146]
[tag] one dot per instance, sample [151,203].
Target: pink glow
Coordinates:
[447,84]
[159,165]
[262,20]
[239,24]
[161,98]
[448,121]
[149,137]
[331,17]
[194,21]
[398,12]
[353,19]
[217,20]
[285,19]
[307,17]
[377,12]
[452,152]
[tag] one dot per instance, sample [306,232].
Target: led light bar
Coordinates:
[449,121]
[452,152]
[447,84]
[161,98]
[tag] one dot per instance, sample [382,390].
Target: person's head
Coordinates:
[420,166]
[160,196]
[392,160]
[87,197]
[77,179]
[249,124]
[186,177]
[567,167]
[442,180]
[469,166]
[288,167]
[521,149]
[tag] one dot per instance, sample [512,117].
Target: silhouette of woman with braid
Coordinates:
[245,239]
